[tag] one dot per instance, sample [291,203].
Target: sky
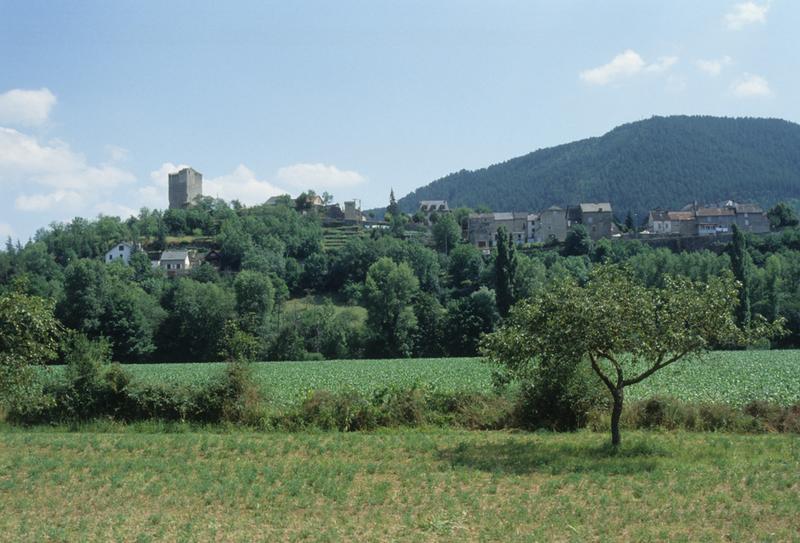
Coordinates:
[100,101]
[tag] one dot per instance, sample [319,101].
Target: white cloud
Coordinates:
[26,107]
[625,65]
[746,13]
[116,153]
[161,175]
[663,64]
[318,176]
[64,199]
[23,160]
[114,209]
[713,67]
[241,184]
[750,85]
[6,230]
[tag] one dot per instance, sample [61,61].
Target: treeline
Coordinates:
[385,294]
[663,161]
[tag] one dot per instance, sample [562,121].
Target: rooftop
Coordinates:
[174,255]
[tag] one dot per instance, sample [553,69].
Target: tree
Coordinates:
[740,265]
[29,335]
[505,268]
[392,209]
[389,291]
[195,328]
[446,233]
[781,216]
[578,242]
[255,298]
[629,224]
[465,266]
[468,319]
[624,329]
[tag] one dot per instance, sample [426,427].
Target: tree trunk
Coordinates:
[616,412]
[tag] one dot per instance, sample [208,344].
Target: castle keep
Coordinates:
[184,187]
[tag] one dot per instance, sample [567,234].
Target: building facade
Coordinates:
[121,252]
[184,187]
[175,262]
[482,228]
[694,220]
[598,219]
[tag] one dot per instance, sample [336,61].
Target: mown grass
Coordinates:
[409,485]
[721,377]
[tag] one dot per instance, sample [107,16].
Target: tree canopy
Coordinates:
[624,329]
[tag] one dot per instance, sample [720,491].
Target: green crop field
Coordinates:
[730,377]
[408,485]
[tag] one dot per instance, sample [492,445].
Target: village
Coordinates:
[546,227]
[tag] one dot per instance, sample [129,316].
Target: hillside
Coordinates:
[662,161]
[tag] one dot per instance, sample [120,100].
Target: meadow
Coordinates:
[408,485]
[734,377]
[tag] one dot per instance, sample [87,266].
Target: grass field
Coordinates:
[407,485]
[732,377]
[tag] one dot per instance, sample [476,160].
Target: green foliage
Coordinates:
[578,241]
[197,316]
[626,330]
[644,164]
[781,216]
[29,335]
[389,291]
[468,319]
[740,265]
[465,267]
[446,233]
[505,271]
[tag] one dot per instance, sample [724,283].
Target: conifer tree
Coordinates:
[505,269]
[739,265]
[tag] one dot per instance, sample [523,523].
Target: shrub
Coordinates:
[559,397]
[344,411]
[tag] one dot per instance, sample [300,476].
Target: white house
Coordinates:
[175,262]
[122,252]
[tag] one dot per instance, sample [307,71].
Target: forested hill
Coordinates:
[659,162]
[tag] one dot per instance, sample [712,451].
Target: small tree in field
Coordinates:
[625,330]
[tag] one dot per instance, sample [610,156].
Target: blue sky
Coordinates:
[100,100]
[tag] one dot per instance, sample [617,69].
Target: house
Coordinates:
[482,228]
[751,218]
[708,220]
[175,262]
[551,224]
[598,219]
[119,252]
[283,199]
[429,207]
[213,257]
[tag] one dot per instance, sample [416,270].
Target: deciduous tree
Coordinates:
[623,329]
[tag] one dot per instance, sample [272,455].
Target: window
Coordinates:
[111,257]
[177,266]
[121,248]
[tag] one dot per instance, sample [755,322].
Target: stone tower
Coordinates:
[184,187]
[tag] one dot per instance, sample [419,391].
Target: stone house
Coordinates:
[708,220]
[482,228]
[429,207]
[598,219]
[551,224]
